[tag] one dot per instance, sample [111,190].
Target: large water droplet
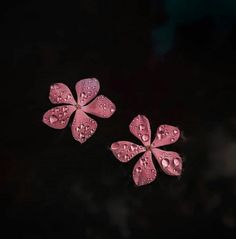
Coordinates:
[53,119]
[176,162]
[145,138]
[115,146]
[165,163]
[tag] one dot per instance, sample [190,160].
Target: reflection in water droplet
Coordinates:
[145,138]
[165,163]
[53,119]
[175,131]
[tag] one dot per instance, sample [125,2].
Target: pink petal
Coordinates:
[170,162]
[124,151]
[83,127]
[144,171]
[61,94]
[86,90]
[101,107]
[166,134]
[59,116]
[140,128]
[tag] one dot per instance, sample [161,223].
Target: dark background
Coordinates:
[173,61]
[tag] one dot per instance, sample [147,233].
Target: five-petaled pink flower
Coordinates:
[83,127]
[144,171]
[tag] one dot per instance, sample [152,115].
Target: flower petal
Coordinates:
[124,151]
[170,162]
[144,171]
[83,127]
[101,106]
[59,116]
[61,94]
[86,89]
[166,134]
[140,128]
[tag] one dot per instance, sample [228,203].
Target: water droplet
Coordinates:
[176,162]
[175,131]
[133,147]
[126,157]
[138,170]
[60,115]
[118,156]
[53,119]
[115,146]
[167,133]
[89,93]
[141,127]
[81,135]
[159,136]
[172,139]
[125,146]
[65,109]
[62,121]
[87,127]
[83,95]
[59,98]
[143,159]
[57,109]
[92,131]
[81,126]
[165,163]
[69,96]
[145,138]
[78,129]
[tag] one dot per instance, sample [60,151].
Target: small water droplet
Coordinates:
[115,146]
[87,127]
[81,126]
[92,131]
[145,138]
[133,147]
[172,139]
[126,157]
[141,127]
[69,96]
[143,159]
[165,163]
[159,136]
[175,131]
[65,109]
[60,115]
[89,93]
[59,99]
[81,135]
[125,146]
[176,162]
[167,133]
[57,109]
[53,119]
[83,95]
[118,156]
[138,170]
[62,121]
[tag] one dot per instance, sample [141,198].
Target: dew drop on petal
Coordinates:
[141,127]
[165,163]
[138,170]
[53,119]
[176,162]
[145,138]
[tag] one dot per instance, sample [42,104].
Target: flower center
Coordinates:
[78,107]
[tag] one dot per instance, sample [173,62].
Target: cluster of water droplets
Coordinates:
[167,132]
[89,90]
[171,164]
[105,106]
[59,95]
[58,115]
[140,130]
[124,152]
[85,130]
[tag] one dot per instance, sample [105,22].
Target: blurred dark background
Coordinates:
[172,60]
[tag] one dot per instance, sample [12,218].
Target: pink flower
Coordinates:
[83,127]
[144,171]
